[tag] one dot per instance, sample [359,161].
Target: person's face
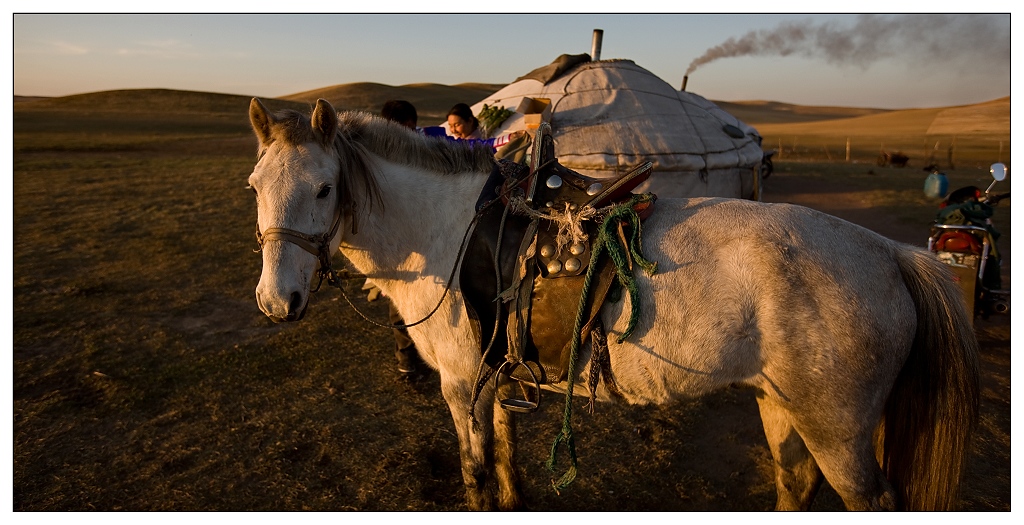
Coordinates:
[460,128]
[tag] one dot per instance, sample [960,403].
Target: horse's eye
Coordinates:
[324,192]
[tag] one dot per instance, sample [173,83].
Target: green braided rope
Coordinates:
[566,433]
[606,238]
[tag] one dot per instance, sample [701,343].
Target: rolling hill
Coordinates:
[987,118]
[432,101]
[757,112]
[147,101]
[991,117]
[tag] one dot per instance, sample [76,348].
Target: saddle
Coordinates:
[525,267]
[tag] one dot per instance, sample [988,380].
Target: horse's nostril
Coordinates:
[296,304]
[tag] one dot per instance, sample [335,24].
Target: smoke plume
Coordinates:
[916,39]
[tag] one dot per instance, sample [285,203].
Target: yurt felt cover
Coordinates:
[611,115]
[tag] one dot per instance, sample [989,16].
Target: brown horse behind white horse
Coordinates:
[860,348]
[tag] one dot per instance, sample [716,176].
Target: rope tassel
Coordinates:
[622,255]
[607,238]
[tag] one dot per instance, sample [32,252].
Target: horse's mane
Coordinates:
[396,143]
[388,140]
[361,135]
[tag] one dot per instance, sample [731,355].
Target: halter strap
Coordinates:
[310,243]
[317,245]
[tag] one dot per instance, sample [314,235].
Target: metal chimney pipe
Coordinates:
[685,79]
[595,47]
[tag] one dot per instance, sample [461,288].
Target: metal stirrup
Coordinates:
[518,405]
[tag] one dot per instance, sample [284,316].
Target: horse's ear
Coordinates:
[259,117]
[325,120]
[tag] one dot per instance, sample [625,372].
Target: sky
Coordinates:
[866,60]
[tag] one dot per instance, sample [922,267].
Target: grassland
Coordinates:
[145,377]
[967,136]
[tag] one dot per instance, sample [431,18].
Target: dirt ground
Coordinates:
[169,390]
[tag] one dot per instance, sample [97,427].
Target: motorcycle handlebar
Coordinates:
[994,199]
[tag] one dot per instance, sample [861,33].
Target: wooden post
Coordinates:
[949,155]
[827,154]
[780,148]
[847,150]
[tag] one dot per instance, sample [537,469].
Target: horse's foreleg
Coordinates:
[475,440]
[509,493]
[797,476]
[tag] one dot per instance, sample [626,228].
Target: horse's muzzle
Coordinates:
[295,311]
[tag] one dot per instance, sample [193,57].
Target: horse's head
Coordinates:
[299,205]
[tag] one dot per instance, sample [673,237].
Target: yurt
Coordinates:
[609,116]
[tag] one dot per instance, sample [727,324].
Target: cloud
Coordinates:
[67,48]
[170,48]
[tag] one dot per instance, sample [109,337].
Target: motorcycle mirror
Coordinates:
[998,171]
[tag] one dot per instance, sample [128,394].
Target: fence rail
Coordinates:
[940,152]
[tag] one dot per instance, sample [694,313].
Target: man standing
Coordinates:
[410,365]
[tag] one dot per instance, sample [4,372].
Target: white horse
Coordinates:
[856,345]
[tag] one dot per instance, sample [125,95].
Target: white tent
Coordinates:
[609,116]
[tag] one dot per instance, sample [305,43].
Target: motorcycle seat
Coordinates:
[958,241]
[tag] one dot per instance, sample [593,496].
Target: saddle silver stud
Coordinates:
[572,207]
[572,265]
[549,204]
[554,182]
[547,250]
[554,266]
[595,188]
[577,249]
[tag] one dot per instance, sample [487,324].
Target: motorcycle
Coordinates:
[962,237]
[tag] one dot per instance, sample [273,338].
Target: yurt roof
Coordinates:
[612,115]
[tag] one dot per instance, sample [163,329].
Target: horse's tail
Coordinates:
[933,407]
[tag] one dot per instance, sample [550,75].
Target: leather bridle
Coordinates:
[317,245]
